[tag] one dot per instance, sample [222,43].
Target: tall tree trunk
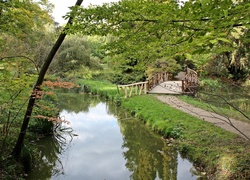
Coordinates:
[19,144]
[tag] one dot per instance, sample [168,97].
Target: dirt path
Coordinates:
[225,123]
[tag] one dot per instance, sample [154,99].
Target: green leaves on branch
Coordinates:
[20,18]
[164,27]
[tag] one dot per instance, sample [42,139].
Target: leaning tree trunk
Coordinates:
[19,144]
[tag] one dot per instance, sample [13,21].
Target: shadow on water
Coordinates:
[108,144]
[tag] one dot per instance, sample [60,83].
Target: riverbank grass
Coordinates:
[103,88]
[221,154]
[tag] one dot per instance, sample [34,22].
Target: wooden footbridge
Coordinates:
[163,83]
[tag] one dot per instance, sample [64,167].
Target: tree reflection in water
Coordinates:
[76,103]
[49,149]
[147,155]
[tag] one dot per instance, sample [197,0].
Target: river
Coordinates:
[106,144]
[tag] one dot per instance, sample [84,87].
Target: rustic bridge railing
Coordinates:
[157,79]
[143,87]
[136,88]
[190,82]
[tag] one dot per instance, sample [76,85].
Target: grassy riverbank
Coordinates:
[221,154]
[103,88]
[226,112]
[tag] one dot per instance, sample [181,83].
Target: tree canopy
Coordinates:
[148,30]
[20,18]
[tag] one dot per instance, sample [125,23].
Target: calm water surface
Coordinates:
[107,144]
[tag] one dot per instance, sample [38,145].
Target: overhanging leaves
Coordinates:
[152,29]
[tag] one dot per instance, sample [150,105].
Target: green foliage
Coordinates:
[44,107]
[11,45]
[96,44]
[41,126]
[73,53]
[20,18]
[74,56]
[40,46]
[21,27]
[16,85]
[15,90]
[125,70]
[103,88]
[25,32]
[164,65]
[11,170]
[213,35]
[149,30]
[215,67]
[233,64]
[210,84]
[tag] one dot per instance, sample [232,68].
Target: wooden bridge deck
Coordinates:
[183,83]
[168,87]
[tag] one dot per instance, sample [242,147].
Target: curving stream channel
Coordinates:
[106,144]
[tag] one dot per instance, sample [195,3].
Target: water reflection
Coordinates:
[95,153]
[77,102]
[48,158]
[184,171]
[109,145]
[148,156]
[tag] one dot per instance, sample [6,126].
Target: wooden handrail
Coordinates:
[157,79]
[190,82]
[138,83]
[136,88]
